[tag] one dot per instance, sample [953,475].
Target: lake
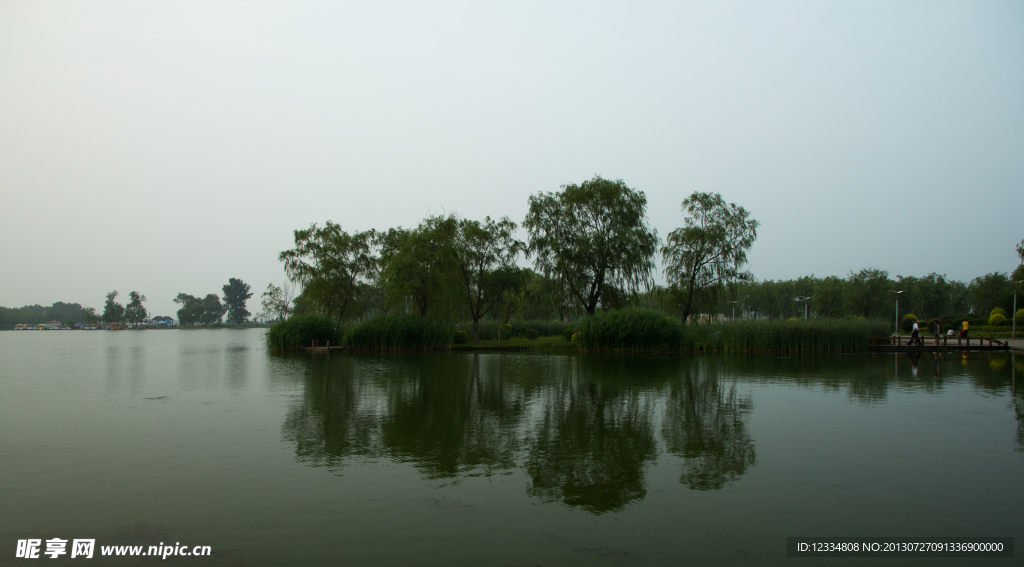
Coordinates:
[204,438]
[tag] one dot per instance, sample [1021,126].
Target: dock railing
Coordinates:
[946,342]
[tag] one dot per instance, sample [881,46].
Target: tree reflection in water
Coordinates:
[704,425]
[584,430]
[591,444]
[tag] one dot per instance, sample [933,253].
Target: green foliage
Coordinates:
[300,331]
[996,319]
[194,311]
[997,311]
[276,302]
[907,322]
[421,265]
[630,330]
[1019,316]
[646,330]
[394,333]
[236,293]
[113,312]
[329,264]
[567,333]
[35,314]
[528,334]
[135,313]
[710,249]
[485,255]
[785,337]
[505,331]
[591,236]
[461,337]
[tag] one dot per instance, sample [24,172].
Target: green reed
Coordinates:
[300,331]
[395,333]
[646,330]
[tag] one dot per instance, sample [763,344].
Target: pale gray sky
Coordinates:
[165,147]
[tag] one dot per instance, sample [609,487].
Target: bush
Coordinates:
[300,331]
[461,337]
[506,331]
[568,332]
[394,333]
[996,319]
[1019,316]
[907,322]
[529,334]
[997,311]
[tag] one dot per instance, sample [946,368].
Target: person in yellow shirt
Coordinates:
[963,329]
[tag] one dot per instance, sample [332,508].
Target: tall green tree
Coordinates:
[135,313]
[195,311]
[710,249]
[868,293]
[420,265]
[486,253]
[329,264]
[113,312]
[591,236]
[236,293]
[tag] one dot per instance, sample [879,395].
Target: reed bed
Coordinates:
[300,331]
[395,333]
[629,330]
[488,329]
[633,330]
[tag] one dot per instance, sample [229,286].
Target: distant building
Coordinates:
[52,325]
[162,321]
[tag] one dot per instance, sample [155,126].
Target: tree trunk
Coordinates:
[476,329]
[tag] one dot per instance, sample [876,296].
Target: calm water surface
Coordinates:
[205,438]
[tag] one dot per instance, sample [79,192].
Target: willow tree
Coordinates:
[329,264]
[710,249]
[486,254]
[592,236]
[420,265]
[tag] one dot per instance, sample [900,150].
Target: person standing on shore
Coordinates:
[936,328]
[963,329]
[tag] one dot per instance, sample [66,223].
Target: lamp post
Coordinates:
[896,328]
[737,301]
[804,299]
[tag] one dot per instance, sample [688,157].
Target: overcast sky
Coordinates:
[165,147]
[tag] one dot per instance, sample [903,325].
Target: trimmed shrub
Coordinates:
[1019,316]
[997,319]
[461,337]
[300,331]
[907,322]
[568,332]
[394,333]
[999,311]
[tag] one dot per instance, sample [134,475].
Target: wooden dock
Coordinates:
[943,343]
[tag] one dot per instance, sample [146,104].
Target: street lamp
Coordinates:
[804,299]
[896,328]
[737,301]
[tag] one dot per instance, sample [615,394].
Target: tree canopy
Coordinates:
[486,255]
[592,236]
[710,249]
[329,264]
[113,312]
[195,311]
[236,293]
[135,313]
